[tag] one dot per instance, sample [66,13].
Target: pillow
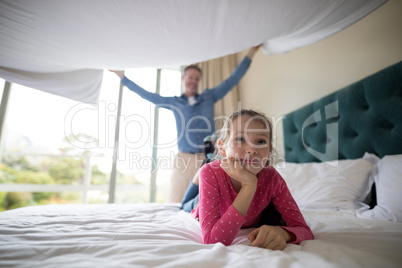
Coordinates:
[334,185]
[388,181]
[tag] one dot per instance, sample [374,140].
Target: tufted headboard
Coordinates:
[365,116]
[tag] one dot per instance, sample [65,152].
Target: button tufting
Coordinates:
[387,125]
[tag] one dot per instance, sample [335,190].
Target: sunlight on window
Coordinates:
[167,138]
[136,137]
[50,148]
[56,150]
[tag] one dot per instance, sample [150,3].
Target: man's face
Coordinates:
[191,79]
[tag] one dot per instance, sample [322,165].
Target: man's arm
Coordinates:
[152,97]
[222,89]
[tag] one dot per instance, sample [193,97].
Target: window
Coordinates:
[136,143]
[55,150]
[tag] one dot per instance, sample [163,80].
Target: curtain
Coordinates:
[213,73]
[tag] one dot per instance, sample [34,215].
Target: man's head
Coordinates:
[191,78]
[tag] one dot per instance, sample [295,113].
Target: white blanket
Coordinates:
[159,235]
[62,47]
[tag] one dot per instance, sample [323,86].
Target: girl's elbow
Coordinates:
[209,240]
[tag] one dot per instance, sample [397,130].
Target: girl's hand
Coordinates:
[243,181]
[270,237]
[236,171]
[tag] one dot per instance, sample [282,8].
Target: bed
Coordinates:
[334,157]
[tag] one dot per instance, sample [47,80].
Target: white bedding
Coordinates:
[62,47]
[160,235]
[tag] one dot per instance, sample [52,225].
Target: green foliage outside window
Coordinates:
[57,170]
[17,170]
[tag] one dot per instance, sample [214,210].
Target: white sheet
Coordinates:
[158,235]
[61,47]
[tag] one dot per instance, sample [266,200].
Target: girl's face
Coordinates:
[248,143]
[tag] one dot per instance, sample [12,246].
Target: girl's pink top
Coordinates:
[220,221]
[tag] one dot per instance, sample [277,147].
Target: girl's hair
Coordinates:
[224,133]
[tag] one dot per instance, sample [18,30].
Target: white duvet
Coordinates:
[62,47]
[160,235]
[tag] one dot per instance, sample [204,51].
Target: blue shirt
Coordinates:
[193,122]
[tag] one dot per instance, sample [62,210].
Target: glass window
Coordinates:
[167,138]
[137,129]
[56,150]
[135,142]
[52,146]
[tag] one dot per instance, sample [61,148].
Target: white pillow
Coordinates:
[335,185]
[388,182]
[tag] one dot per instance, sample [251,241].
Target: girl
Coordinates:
[235,190]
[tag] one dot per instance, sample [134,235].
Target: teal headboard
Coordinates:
[365,116]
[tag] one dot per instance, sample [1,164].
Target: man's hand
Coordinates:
[270,237]
[252,51]
[119,73]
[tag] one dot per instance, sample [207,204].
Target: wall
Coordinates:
[278,84]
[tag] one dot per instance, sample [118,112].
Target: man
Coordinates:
[194,114]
